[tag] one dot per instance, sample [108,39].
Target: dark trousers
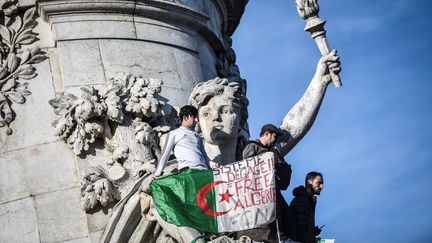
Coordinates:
[285,218]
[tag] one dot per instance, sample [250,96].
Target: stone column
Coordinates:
[87,42]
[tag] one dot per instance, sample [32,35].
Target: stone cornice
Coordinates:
[231,10]
[172,12]
[159,10]
[54,11]
[235,10]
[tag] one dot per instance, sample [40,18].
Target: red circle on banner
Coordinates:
[201,199]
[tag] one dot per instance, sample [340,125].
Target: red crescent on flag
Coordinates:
[201,199]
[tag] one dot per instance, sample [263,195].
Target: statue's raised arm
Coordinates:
[300,118]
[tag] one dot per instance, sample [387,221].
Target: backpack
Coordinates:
[283,171]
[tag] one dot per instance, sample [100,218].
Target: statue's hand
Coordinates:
[327,63]
[148,167]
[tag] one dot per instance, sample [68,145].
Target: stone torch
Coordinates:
[308,10]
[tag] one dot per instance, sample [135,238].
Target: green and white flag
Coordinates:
[227,198]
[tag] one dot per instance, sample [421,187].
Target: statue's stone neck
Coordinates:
[222,153]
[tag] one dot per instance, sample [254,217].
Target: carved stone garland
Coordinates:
[129,118]
[15,61]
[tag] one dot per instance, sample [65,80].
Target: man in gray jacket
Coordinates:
[266,143]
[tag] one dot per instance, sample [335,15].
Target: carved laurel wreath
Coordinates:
[16,62]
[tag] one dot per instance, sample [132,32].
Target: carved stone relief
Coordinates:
[16,61]
[128,118]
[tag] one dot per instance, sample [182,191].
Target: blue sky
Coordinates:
[372,138]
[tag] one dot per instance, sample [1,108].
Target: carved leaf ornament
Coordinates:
[15,62]
[82,120]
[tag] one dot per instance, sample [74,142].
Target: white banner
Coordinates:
[245,193]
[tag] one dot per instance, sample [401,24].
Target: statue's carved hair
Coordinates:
[235,90]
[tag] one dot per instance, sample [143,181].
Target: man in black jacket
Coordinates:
[303,205]
[266,143]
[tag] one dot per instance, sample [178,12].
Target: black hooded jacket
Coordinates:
[303,206]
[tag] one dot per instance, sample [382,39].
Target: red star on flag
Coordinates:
[225,196]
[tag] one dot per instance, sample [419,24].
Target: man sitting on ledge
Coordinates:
[187,144]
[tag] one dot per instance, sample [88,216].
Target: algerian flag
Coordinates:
[228,198]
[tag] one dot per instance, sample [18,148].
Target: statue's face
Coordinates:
[219,120]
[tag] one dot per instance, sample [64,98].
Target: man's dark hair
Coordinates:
[311,176]
[188,110]
[270,128]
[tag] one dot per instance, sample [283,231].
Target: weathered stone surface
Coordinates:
[18,221]
[60,216]
[208,60]
[176,97]
[97,221]
[57,81]
[156,31]
[32,125]
[95,236]
[189,69]
[26,3]
[35,170]
[80,63]
[46,37]
[216,20]
[140,58]
[179,70]
[90,26]
[213,13]
[81,240]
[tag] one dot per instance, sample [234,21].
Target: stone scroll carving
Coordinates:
[16,62]
[128,117]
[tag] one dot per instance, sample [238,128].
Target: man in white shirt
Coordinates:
[187,144]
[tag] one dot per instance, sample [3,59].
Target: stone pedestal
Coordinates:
[86,43]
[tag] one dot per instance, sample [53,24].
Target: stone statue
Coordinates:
[222,112]
[222,106]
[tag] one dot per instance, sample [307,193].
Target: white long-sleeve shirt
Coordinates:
[188,149]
